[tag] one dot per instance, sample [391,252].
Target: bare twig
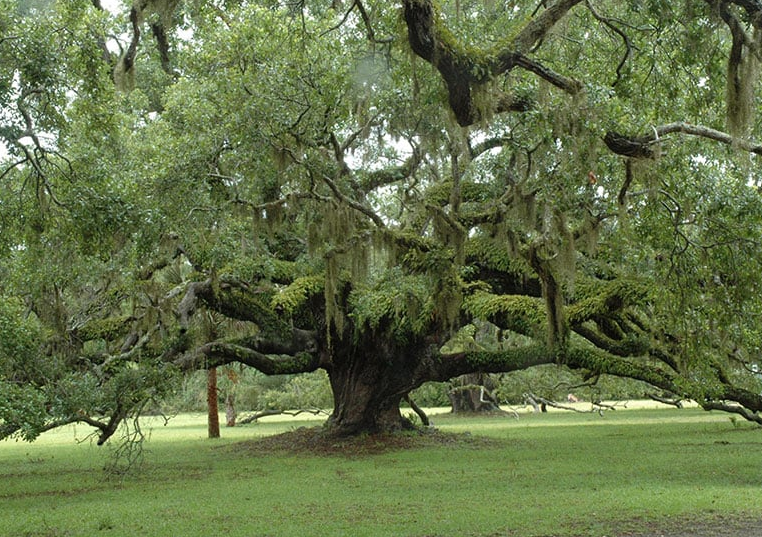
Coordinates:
[625,38]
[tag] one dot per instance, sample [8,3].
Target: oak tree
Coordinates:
[355,186]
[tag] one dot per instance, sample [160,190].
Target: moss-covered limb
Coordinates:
[600,362]
[602,319]
[399,305]
[606,298]
[552,293]
[108,329]
[439,194]
[298,292]
[664,357]
[237,301]
[742,411]
[449,366]
[494,263]
[749,399]
[299,341]
[537,28]
[386,176]
[219,353]
[630,345]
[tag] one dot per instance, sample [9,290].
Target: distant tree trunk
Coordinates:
[472,393]
[230,413]
[213,417]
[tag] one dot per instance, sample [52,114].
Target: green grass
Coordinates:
[555,474]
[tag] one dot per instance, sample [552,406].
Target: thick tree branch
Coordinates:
[752,7]
[461,69]
[219,353]
[643,146]
[359,207]
[386,176]
[236,300]
[734,409]
[448,366]
[127,61]
[599,362]
[539,26]
[162,43]
[569,85]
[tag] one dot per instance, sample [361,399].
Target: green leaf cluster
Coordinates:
[604,298]
[294,295]
[398,303]
[519,313]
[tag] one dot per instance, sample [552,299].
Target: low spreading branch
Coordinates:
[672,401]
[733,409]
[596,407]
[264,413]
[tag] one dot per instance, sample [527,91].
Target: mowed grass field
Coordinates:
[561,473]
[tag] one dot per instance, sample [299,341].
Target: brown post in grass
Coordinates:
[211,402]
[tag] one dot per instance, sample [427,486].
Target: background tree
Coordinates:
[353,189]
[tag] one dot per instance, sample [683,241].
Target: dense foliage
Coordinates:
[394,193]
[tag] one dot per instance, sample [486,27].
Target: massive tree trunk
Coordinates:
[361,407]
[369,379]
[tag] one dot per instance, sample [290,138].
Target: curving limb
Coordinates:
[645,146]
[220,353]
[461,70]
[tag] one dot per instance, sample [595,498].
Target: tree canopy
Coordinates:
[353,186]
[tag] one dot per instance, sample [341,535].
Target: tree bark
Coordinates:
[366,399]
[369,379]
[213,416]
[230,412]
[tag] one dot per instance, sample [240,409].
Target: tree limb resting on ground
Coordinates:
[264,413]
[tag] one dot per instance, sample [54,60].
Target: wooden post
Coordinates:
[211,403]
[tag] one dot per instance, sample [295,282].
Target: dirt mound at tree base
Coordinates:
[314,441]
[717,526]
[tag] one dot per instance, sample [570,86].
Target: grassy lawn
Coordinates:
[559,473]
